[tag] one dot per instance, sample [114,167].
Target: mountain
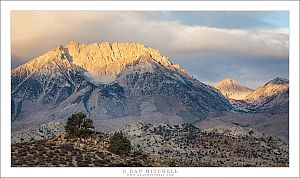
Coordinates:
[114,84]
[272,97]
[232,89]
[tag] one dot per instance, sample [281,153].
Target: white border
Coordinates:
[6,7]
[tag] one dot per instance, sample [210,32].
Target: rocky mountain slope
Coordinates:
[114,84]
[186,144]
[272,97]
[157,145]
[232,89]
[105,61]
[62,152]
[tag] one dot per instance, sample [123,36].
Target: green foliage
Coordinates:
[78,125]
[119,144]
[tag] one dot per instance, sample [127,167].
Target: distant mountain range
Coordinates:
[272,97]
[114,84]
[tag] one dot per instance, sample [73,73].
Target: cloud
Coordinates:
[253,72]
[240,42]
[45,30]
[35,32]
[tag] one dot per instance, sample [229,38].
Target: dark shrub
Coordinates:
[119,144]
[78,125]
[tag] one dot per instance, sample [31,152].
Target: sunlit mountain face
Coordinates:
[113,83]
[232,89]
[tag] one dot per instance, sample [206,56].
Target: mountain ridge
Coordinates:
[99,58]
[55,86]
[273,96]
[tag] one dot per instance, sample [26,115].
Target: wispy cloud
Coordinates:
[50,29]
[35,32]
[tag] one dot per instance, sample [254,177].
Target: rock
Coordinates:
[44,131]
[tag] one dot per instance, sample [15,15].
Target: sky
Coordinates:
[251,47]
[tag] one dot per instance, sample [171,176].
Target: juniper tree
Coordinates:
[119,144]
[78,125]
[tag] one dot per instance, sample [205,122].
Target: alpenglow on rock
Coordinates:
[105,61]
[114,84]
[272,97]
[233,90]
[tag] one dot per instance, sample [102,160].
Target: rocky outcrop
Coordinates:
[105,61]
[45,131]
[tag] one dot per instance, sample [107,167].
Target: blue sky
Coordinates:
[234,19]
[251,47]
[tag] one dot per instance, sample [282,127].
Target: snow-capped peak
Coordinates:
[273,96]
[102,62]
[273,87]
[232,89]
[56,58]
